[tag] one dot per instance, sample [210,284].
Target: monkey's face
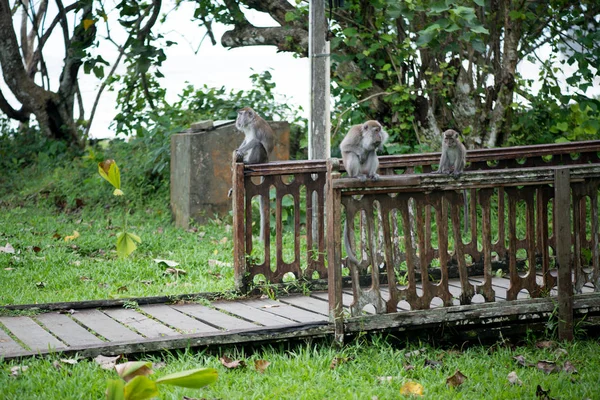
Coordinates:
[245,117]
[372,136]
[450,138]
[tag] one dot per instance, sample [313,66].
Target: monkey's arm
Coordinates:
[459,165]
[384,138]
[246,146]
[443,161]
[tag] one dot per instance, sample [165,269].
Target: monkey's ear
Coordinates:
[365,127]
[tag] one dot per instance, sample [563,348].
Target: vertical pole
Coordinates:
[562,231]
[334,256]
[239,225]
[318,53]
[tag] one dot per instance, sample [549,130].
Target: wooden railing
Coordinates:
[301,184]
[409,229]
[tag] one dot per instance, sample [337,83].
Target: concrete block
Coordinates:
[201,168]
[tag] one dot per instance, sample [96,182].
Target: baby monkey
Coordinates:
[454,154]
[359,150]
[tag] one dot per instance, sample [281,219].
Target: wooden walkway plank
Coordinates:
[214,317]
[347,299]
[177,320]
[105,326]
[29,332]
[285,310]
[141,323]
[67,330]
[307,303]
[8,345]
[251,313]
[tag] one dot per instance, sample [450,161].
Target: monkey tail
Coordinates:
[349,251]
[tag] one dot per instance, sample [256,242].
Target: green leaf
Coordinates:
[349,32]
[126,243]
[480,3]
[140,388]
[131,369]
[364,85]
[115,390]
[109,170]
[194,379]
[290,16]
[439,6]
[480,29]
[562,126]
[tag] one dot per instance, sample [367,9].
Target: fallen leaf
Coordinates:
[201,234]
[542,394]
[456,380]
[223,240]
[8,249]
[193,229]
[84,278]
[409,367]
[547,367]
[569,368]
[385,379]
[57,365]
[76,263]
[56,236]
[270,306]
[415,353]
[107,362]
[40,285]
[514,379]
[412,388]
[71,311]
[70,361]
[79,203]
[432,363]
[160,230]
[175,271]
[167,263]
[148,283]
[122,289]
[36,249]
[231,364]
[8,269]
[337,361]
[521,361]
[17,370]
[74,236]
[218,263]
[261,365]
[561,352]
[545,344]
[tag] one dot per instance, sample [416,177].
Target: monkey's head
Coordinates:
[245,117]
[450,138]
[372,135]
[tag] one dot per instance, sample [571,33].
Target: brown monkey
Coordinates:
[359,150]
[259,138]
[256,148]
[453,160]
[454,154]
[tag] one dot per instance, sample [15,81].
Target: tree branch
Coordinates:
[285,39]
[275,8]
[20,115]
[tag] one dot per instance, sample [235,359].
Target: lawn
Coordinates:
[43,204]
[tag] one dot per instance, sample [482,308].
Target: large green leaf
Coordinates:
[131,369]
[115,390]
[193,379]
[140,388]
[109,170]
[126,243]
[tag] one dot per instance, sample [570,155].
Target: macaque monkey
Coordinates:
[453,160]
[256,148]
[454,154]
[259,138]
[359,150]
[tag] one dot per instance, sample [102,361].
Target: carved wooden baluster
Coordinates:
[532,286]
[457,205]
[441,215]
[411,290]
[515,279]
[486,289]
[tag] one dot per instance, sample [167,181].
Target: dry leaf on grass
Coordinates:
[432,363]
[456,380]
[231,364]
[514,379]
[337,361]
[385,379]
[415,353]
[545,344]
[542,394]
[412,388]
[18,370]
[8,249]
[547,367]
[107,362]
[74,236]
[261,365]
[569,368]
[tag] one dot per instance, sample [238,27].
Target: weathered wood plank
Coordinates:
[8,345]
[67,330]
[141,323]
[29,332]
[177,320]
[308,303]
[562,231]
[251,313]
[105,326]
[214,317]
[285,310]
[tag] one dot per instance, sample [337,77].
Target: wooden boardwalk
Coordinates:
[154,327]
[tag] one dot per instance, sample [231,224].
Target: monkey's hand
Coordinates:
[239,156]
[374,177]
[362,178]
[456,174]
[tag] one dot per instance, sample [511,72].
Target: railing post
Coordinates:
[334,256]
[239,228]
[562,232]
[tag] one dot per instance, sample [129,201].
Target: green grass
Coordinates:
[303,372]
